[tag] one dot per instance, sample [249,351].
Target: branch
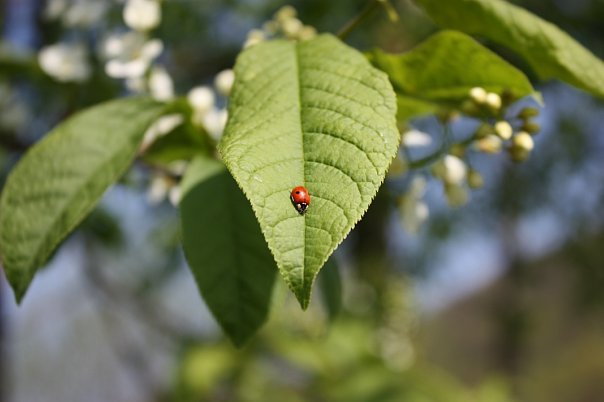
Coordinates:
[366,12]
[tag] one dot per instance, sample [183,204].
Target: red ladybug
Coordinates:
[300,198]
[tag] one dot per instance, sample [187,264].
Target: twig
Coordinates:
[369,8]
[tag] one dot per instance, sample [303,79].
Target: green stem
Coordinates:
[369,8]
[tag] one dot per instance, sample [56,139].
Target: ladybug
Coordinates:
[300,198]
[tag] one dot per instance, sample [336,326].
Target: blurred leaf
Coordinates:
[223,244]
[443,69]
[408,107]
[103,226]
[204,366]
[312,113]
[331,287]
[551,52]
[61,178]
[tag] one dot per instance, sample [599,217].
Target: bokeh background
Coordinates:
[499,300]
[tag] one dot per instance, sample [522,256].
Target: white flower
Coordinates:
[201,100]
[65,62]
[85,13]
[160,186]
[174,195]
[414,212]
[136,84]
[130,54]
[214,121]
[450,169]
[142,15]
[160,84]
[54,9]
[161,127]
[224,81]
[416,138]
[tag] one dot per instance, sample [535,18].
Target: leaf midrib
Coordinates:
[299,90]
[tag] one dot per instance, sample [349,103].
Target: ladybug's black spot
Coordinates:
[297,192]
[301,207]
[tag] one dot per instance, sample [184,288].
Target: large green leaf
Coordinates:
[443,69]
[551,52]
[61,178]
[315,114]
[230,260]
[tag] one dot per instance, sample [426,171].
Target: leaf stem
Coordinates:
[366,12]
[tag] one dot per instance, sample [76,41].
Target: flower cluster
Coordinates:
[132,55]
[284,24]
[498,130]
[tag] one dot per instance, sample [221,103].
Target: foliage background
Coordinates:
[497,301]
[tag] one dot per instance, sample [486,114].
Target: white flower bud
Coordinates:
[270,27]
[285,13]
[292,27]
[201,99]
[307,32]
[504,130]
[161,127]
[174,195]
[524,141]
[254,37]
[416,138]
[214,122]
[160,84]
[414,213]
[224,81]
[142,15]
[478,95]
[85,14]
[491,144]
[450,169]
[493,101]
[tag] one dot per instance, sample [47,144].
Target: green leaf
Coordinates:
[230,260]
[61,178]
[443,69]
[331,287]
[551,52]
[315,114]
